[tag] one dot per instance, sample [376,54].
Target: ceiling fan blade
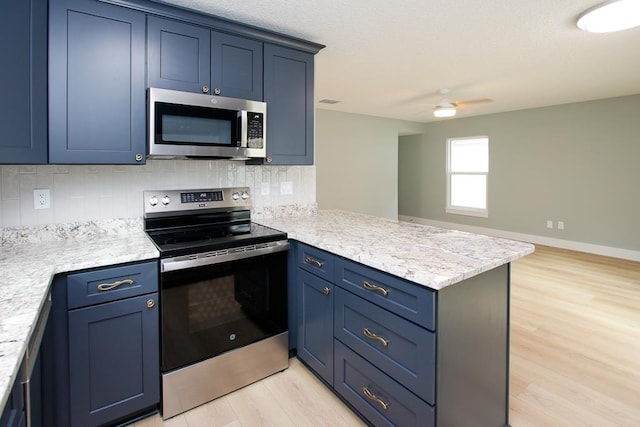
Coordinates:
[471,102]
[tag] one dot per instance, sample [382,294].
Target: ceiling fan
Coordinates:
[447,108]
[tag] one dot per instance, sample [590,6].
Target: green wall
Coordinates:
[578,163]
[356,159]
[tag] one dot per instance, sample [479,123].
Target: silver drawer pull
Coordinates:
[375,288]
[108,286]
[367,333]
[313,261]
[371,396]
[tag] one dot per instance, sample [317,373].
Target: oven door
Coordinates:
[211,309]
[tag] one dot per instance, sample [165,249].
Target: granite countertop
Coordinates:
[429,256]
[26,271]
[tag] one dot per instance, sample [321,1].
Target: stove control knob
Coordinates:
[166,200]
[235,196]
[153,201]
[244,195]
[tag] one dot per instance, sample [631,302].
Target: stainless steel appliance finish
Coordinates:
[192,125]
[31,357]
[201,382]
[223,294]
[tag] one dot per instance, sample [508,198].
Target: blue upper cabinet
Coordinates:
[178,55]
[191,58]
[236,66]
[23,81]
[288,92]
[97,111]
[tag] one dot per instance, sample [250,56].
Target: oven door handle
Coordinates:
[218,257]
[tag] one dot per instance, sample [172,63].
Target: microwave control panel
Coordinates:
[255,132]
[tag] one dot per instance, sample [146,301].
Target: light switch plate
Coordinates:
[286,187]
[264,189]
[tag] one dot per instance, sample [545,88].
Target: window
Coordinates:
[467,171]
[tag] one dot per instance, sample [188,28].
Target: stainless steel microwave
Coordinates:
[192,125]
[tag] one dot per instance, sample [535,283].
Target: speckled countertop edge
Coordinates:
[429,256]
[26,272]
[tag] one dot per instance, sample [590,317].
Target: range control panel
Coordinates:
[188,200]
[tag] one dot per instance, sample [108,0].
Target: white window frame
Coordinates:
[466,210]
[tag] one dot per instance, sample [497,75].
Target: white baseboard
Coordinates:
[531,238]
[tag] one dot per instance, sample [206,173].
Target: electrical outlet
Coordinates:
[264,188]
[286,187]
[549,224]
[41,198]
[560,225]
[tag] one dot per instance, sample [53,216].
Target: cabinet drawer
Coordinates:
[409,300]
[375,395]
[316,261]
[110,284]
[403,350]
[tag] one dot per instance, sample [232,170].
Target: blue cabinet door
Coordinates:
[23,81]
[288,92]
[178,55]
[96,83]
[236,66]
[315,323]
[113,360]
[13,414]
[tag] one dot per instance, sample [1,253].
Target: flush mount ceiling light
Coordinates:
[444,110]
[613,15]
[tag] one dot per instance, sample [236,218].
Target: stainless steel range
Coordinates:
[223,294]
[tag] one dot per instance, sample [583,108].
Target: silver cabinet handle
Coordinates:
[371,396]
[375,288]
[108,286]
[151,303]
[313,261]
[326,290]
[367,333]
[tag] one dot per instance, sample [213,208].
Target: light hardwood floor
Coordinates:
[575,340]
[575,356]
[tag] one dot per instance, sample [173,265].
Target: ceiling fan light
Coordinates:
[444,111]
[613,15]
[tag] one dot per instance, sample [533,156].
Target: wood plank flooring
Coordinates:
[575,340]
[575,356]
[294,397]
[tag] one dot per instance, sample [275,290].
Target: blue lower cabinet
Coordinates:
[403,350]
[315,324]
[113,360]
[379,398]
[13,414]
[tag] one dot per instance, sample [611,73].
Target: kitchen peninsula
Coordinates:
[461,272]
[408,323]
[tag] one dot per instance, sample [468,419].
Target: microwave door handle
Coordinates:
[242,129]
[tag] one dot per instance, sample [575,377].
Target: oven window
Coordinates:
[209,310]
[183,124]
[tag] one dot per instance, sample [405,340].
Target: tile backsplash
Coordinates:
[93,192]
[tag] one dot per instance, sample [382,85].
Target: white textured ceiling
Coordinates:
[389,58]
